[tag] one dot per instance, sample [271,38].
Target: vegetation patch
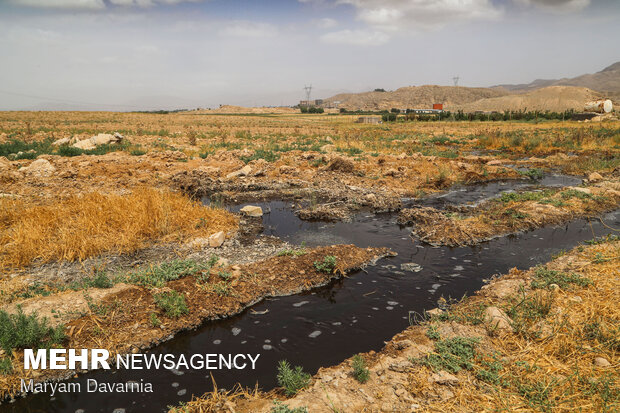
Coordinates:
[172,303]
[292,379]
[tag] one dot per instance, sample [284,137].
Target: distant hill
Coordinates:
[414,97]
[552,98]
[606,82]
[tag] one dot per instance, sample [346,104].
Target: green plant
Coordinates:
[279,407]
[101,280]
[543,278]
[6,366]
[360,371]
[292,252]
[452,354]
[172,303]
[27,331]
[155,321]
[533,174]
[326,266]
[292,380]
[432,332]
[157,276]
[222,288]
[224,275]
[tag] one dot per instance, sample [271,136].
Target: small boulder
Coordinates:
[495,162]
[497,319]
[246,170]
[435,312]
[601,362]
[595,177]
[40,167]
[252,211]
[445,378]
[580,189]
[216,240]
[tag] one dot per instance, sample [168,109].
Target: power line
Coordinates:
[5,92]
[455,79]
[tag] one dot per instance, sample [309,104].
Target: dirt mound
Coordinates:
[553,98]
[411,97]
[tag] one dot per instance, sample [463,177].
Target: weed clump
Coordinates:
[360,371]
[544,278]
[327,266]
[452,354]
[279,407]
[292,379]
[27,331]
[172,303]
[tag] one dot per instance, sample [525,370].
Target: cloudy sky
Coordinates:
[148,54]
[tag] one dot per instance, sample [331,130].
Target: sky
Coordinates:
[166,54]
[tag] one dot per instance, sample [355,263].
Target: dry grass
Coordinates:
[493,218]
[83,226]
[547,364]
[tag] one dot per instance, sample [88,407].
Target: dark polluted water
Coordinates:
[329,324]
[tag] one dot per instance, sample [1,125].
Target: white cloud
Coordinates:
[563,6]
[94,4]
[61,4]
[248,29]
[327,23]
[356,37]
[421,14]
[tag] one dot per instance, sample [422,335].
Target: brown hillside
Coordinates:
[414,97]
[553,98]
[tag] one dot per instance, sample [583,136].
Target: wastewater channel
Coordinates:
[324,326]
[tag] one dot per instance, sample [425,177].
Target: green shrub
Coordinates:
[279,407]
[155,321]
[6,366]
[327,265]
[360,371]
[27,331]
[544,278]
[292,380]
[172,303]
[66,150]
[452,354]
[159,275]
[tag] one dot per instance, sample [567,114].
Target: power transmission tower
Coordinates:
[456,80]
[308,90]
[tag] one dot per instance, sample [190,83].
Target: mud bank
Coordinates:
[510,214]
[121,321]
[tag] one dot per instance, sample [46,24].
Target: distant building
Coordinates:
[438,106]
[369,119]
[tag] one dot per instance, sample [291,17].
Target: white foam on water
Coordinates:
[315,334]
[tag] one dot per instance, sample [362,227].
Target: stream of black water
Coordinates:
[327,325]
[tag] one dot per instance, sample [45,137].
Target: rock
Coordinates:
[495,162]
[601,362]
[580,189]
[97,140]
[40,167]
[400,366]
[63,141]
[435,312]
[252,211]
[443,377]
[497,319]
[217,239]
[370,198]
[554,287]
[595,177]
[246,170]
[393,172]
[328,148]
[575,299]
[288,170]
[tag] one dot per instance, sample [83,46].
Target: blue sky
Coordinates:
[146,54]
